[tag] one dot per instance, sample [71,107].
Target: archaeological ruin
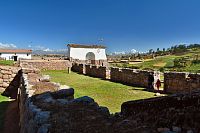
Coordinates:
[54,108]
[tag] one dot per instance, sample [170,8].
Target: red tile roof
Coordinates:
[15,51]
[85,46]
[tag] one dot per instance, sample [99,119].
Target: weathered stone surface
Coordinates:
[45,78]
[5,84]
[5,76]
[64,93]
[181,82]
[1,81]
[46,65]
[84,99]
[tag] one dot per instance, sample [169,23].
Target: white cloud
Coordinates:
[7,45]
[48,50]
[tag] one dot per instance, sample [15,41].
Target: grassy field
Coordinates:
[7,62]
[3,105]
[105,93]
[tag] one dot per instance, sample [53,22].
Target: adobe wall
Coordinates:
[130,76]
[95,71]
[181,82]
[9,79]
[46,64]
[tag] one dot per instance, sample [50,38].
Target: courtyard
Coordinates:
[105,93]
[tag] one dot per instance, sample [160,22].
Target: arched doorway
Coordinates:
[90,58]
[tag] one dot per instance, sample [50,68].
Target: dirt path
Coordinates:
[12,118]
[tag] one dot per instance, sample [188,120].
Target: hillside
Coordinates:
[187,61]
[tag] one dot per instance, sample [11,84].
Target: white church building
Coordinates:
[88,54]
[15,54]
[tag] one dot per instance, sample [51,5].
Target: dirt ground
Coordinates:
[11,122]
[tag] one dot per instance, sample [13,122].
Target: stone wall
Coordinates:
[130,76]
[59,112]
[9,80]
[177,113]
[95,71]
[46,64]
[181,82]
[80,68]
[51,111]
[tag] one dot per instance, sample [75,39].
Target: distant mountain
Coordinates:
[132,51]
[50,51]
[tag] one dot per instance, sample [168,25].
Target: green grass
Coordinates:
[157,63]
[105,93]
[7,62]
[165,63]
[3,105]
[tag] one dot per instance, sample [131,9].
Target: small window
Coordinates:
[27,54]
[0,53]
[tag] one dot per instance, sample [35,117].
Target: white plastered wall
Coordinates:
[8,56]
[80,53]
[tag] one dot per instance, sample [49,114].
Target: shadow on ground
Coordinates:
[9,116]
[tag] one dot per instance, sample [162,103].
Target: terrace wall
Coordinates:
[181,82]
[130,76]
[46,64]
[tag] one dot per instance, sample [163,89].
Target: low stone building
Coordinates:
[15,54]
[87,54]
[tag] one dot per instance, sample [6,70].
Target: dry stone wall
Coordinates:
[59,112]
[9,79]
[80,68]
[181,82]
[178,113]
[46,64]
[95,71]
[130,76]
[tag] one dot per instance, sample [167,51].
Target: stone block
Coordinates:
[5,84]
[5,80]
[5,76]
[1,81]
[2,89]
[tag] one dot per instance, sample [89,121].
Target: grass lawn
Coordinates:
[7,62]
[105,93]
[3,105]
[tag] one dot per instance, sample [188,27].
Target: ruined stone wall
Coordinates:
[46,65]
[9,78]
[32,118]
[181,82]
[130,76]
[95,71]
[80,68]
[177,113]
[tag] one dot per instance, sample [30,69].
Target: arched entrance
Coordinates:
[90,58]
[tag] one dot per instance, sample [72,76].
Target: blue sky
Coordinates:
[123,24]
